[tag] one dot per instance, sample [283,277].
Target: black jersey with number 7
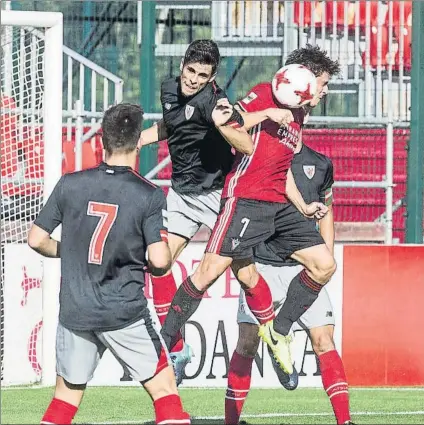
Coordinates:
[109,215]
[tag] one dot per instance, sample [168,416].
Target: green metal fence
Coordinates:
[124,37]
[106,32]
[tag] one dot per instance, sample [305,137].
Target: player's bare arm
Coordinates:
[293,193]
[314,209]
[238,138]
[326,224]
[326,229]
[160,260]
[41,241]
[283,117]
[153,134]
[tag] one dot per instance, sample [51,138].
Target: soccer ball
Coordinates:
[294,85]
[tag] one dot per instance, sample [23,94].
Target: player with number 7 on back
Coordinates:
[110,216]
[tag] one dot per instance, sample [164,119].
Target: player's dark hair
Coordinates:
[205,52]
[121,126]
[315,59]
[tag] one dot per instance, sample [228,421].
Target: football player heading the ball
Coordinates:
[256,206]
[313,173]
[201,128]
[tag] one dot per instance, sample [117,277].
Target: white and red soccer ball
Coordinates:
[294,85]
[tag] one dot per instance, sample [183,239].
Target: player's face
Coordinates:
[194,77]
[322,89]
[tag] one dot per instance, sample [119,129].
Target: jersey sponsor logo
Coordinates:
[289,137]
[235,242]
[167,106]
[309,171]
[189,111]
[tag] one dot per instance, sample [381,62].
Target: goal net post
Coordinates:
[31,165]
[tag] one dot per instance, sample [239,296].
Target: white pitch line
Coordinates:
[385,389]
[312,388]
[40,387]
[279,415]
[288,415]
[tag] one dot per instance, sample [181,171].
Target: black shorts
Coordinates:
[293,232]
[243,224]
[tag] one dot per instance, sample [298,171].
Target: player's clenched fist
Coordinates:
[316,210]
[280,116]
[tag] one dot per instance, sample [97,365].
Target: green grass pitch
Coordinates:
[126,405]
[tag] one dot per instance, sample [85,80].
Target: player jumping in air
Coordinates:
[110,218]
[201,129]
[313,174]
[255,207]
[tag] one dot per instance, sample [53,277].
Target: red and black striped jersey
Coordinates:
[262,176]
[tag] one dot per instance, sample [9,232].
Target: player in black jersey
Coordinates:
[110,216]
[313,174]
[201,129]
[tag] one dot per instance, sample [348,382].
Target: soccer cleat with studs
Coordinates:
[289,382]
[180,359]
[279,344]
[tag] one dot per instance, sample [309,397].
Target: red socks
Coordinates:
[333,379]
[335,384]
[169,410]
[239,377]
[164,289]
[59,412]
[259,300]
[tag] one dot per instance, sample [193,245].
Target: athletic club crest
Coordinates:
[189,111]
[309,171]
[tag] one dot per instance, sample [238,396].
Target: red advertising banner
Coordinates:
[383,316]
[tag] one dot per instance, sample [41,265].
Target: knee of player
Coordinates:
[160,268]
[329,267]
[247,276]
[322,342]
[159,258]
[324,269]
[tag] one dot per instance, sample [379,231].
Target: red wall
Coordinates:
[383,316]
